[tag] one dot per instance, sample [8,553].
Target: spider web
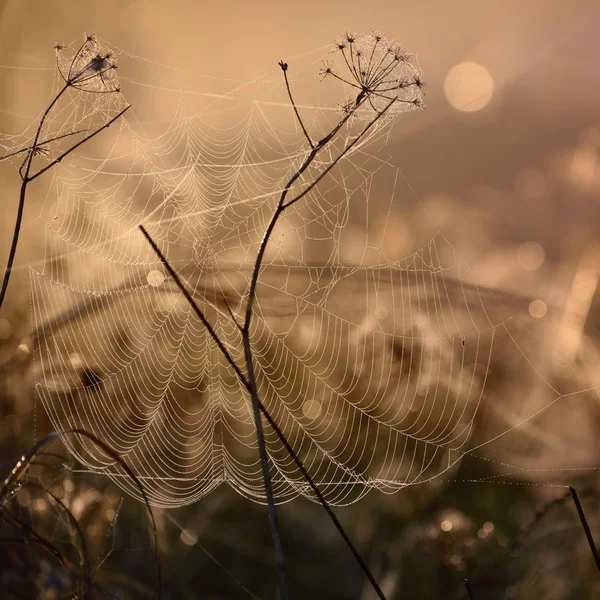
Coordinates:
[374,366]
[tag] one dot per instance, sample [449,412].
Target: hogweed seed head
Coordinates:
[326,69]
[376,72]
[418,81]
[91,69]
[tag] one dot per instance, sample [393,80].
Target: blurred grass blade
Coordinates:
[17,477]
[586,527]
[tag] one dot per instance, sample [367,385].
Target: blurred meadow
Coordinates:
[461,272]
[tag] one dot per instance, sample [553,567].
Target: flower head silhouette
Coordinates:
[378,72]
[91,69]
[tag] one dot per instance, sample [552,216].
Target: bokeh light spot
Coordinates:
[155,278]
[468,86]
[511,591]
[538,309]
[5,329]
[531,256]
[446,525]
[311,409]
[189,537]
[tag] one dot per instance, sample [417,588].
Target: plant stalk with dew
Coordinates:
[375,70]
[92,70]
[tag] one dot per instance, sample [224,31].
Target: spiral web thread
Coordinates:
[374,368]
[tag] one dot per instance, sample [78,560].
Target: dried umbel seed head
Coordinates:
[377,75]
[91,69]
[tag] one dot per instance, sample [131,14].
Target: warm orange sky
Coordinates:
[541,55]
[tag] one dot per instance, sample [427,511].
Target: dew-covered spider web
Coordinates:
[375,364]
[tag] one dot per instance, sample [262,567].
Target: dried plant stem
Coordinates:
[41,144]
[250,382]
[586,527]
[27,177]
[24,171]
[282,205]
[284,68]
[251,388]
[80,142]
[14,243]
[469,589]
[14,520]
[86,574]
[266,414]
[264,462]
[19,473]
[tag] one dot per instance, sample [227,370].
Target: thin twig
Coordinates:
[80,142]
[251,387]
[256,404]
[233,317]
[347,149]
[284,68]
[24,170]
[116,457]
[262,451]
[469,589]
[586,527]
[199,313]
[268,417]
[86,574]
[26,178]
[26,166]
[15,241]
[282,205]
[20,470]
[41,144]
[250,383]
[37,538]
